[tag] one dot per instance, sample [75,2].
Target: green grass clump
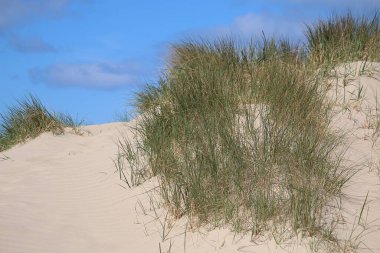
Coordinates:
[28,119]
[344,38]
[240,136]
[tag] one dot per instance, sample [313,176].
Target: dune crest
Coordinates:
[62,194]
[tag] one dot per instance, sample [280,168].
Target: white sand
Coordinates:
[61,194]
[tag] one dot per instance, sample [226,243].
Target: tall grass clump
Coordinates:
[344,38]
[240,136]
[28,119]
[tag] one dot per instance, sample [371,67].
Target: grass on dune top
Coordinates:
[344,38]
[28,119]
[241,135]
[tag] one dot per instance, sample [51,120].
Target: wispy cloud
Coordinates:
[287,18]
[342,3]
[30,45]
[102,75]
[270,24]
[255,24]
[354,5]
[18,11]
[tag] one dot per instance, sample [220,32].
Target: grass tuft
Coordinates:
[241,135]
[28,119]
[344,38]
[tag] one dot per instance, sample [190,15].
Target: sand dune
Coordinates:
[61,194]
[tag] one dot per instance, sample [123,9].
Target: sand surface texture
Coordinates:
[62,194]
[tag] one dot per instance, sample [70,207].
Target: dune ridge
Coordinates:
[60,193]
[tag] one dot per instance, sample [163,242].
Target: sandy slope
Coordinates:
[61,194]
[357,118]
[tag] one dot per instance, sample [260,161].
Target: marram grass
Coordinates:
[28,119]
[241,136]
[344,38]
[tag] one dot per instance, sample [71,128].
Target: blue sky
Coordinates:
[88,57]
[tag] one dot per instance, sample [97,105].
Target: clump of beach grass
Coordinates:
[344,38]
[28,119]
[241,135]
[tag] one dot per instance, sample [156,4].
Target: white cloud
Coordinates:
[91,75]
[354,5]
[15,11]
[342,3]
[254,24]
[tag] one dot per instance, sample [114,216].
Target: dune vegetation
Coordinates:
[344,38]
[28,119]
[241,135]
